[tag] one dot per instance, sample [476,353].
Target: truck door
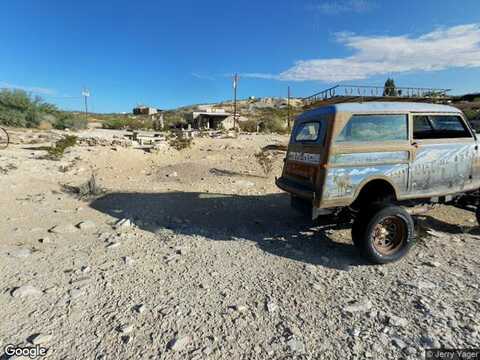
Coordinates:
[444,149]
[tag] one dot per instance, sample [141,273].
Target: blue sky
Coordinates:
[172,53]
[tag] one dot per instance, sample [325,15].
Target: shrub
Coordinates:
[56,152]
[127,123]
[248,125]
[70,121]
[180,143]
[19,109]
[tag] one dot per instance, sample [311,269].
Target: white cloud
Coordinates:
[202,77]
[32,89]
[454,47]
[334,7]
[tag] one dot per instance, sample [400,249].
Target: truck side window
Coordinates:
[439,127]
[362,128]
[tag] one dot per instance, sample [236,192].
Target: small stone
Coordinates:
[398,342]
[240,308]
[85,269]
[317,287]
[26,290]
[75,293]
[63,229]
[410,350]
[140,308]
[125,328]
[113,245]
[310,268]
[433,263]
[429,342]
[272,307]
[39,339]
[20,253]
[173,174]
[179,343]
[358,306]
[45,240]
[397,321]
[296,346]
[86,225]
[128,260]
[123,224]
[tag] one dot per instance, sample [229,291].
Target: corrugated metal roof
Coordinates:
[373,107]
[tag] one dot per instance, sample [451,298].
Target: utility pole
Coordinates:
[235,84]
[288,108]
[86,94]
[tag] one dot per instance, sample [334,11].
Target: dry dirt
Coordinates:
[213,264]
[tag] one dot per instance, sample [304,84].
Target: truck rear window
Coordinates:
[308,131]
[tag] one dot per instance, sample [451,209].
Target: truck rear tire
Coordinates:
[383,234]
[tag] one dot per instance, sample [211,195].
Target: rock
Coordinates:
[240,308]
[39,339]
[85,269]
[310,268]
[26,290]
[75,293]
[398,342]
[45,240]
[358,306]
[271,307]
[86,225]
[140,308]
[20,253]
[179,343]
[429,342]
[317,286]
[296,346]
[123,224]
[410,350]
[113,245]
[125,328]
[63,229]
[128,260]
[433,263]
[173,174]
[397,321]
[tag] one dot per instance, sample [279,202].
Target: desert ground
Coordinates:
[195,254]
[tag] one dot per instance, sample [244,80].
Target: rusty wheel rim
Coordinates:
[389,235]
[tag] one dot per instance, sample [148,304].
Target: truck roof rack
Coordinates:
[361,93]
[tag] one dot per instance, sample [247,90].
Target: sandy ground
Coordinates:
[214,264]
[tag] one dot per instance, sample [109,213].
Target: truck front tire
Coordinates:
[384,233]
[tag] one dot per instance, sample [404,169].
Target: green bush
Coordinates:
[19,109]
[70,121]
[248,126]
[56,152]
[127,123]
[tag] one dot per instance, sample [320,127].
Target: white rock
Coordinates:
[179,343]
[63,229]
[141,308]
[45,240]
[39,339]
[113,245]
[240,308]
[358,306]
[26,290]
[123,224]
[397,321]
[128,260]
[296,346]
[271,307]
[126,328]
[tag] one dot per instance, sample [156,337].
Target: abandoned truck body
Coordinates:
[371,159]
